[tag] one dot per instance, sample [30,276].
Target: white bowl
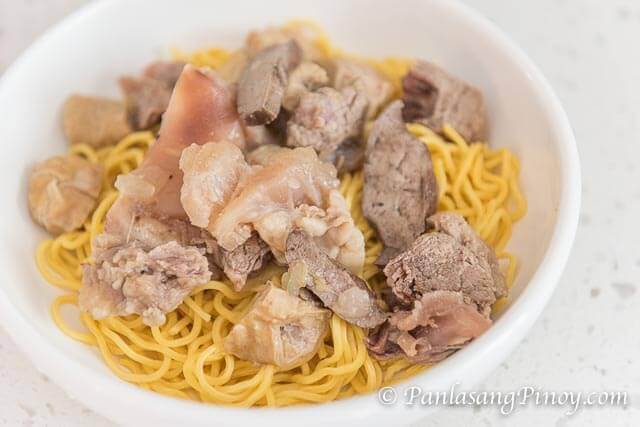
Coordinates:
[91,48]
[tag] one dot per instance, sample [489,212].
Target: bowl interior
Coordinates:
[91,49]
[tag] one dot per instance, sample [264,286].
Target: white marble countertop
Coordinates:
[587,337]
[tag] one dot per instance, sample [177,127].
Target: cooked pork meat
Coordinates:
[306,77]
[94,121]
[283,189]
[134,281]
[434,98]
[439,323]
[279,329]
[326,118]
[400,189]
[239,263]
[63,192]
[344,293]
[211,173]
[453,258]
[291,189]
[147,96]
[304,36]
[263,82]
[372,85]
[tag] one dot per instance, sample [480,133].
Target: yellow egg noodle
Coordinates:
[185,358]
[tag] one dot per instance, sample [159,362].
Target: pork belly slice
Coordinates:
[434,98]
[279,329]
[400,189]
[344,293]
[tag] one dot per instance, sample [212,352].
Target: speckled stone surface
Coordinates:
[587,337]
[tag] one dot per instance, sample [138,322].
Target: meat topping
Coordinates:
[127,280]
[455,225]
[211,173]
[239,263]
[63,192]
[94,121]
[286,189]
[326,118]
[453,258]
[279,329]
[439,323]
[434,98]
[344,293]
[306,77]
[400,189]
[263,82]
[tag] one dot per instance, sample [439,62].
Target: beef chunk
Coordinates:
[344,293]
[244,260]
[279,329]
[326,118]
[435,98]
[147,96]
[400,189]
[439,323]
[128,279]
[452,258]
[443,287]
[263,82]
[456,226]
[94,121]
